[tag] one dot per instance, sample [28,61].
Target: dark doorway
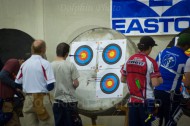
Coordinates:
[14,44]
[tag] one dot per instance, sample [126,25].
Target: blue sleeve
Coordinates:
[5,78]
[50,86]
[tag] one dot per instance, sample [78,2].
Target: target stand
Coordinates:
[93,52]
[117,110]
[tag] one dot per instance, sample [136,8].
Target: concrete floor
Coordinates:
[120,121]
[116,121]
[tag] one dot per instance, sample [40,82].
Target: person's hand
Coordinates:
[75,83]
[75,86]
[18,86]
[19,93]
[21,61]
[18,90]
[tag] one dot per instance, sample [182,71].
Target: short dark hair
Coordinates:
[62,49]
[146,42]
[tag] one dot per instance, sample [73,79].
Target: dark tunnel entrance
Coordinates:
[14,44]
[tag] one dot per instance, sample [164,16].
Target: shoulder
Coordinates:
[152,61]
[44,61]
[70,64]
[53,63]
[46,64]
[134,55]
[188,61]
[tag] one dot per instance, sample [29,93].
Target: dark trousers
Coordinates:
[168,108]
[138,114]
[63,113]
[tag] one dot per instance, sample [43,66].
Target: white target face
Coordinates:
[83,55]
[108,84]
[111,54]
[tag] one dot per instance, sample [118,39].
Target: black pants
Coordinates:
[168,107]
[63,113]
[138,114]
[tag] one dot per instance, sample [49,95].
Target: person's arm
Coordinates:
[187,79]
[5,78]
[74,75]
[75,83]
[156,77]
[50,86]
[123,73]
[123,79]
[48,76]
[156,81]
[187,73]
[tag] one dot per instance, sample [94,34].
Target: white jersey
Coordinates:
[35,74]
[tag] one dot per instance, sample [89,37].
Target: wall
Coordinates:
[67,19]
[62,20]
[25,15]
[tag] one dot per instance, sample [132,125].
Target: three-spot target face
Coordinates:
[83,55]
[109,83]
[111,54]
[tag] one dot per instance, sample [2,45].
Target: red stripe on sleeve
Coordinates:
[44,72]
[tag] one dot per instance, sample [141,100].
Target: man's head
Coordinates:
[38,47]
[145,43]
[62,49]
[184,41]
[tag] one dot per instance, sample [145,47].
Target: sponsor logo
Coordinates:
[139,17]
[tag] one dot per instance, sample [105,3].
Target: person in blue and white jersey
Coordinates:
[171,63]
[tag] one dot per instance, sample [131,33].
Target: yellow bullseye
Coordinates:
[109,83]
[112,54]
[83,55]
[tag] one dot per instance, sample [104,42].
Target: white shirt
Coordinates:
[187,66]
[35,74]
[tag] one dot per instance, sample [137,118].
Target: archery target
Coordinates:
[109,85]
[83,55]
[111,53]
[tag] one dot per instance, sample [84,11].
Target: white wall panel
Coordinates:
[25,15]
[64,19]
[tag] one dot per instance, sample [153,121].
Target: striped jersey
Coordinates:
[139,69]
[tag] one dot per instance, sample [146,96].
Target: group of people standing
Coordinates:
[149,81]
[155,84]
[35,78]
